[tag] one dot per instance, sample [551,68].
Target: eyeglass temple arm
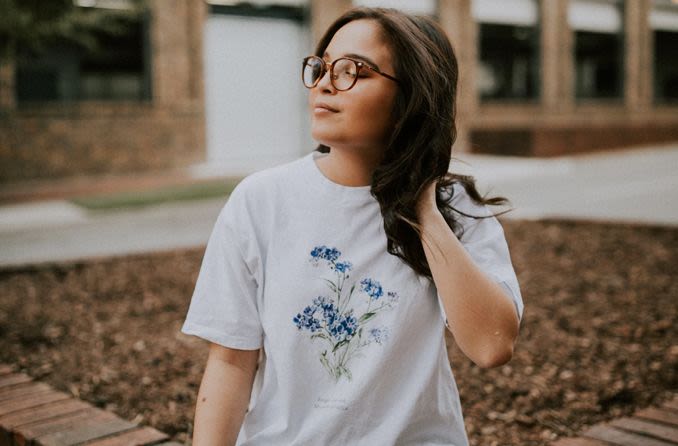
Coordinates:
[363,64]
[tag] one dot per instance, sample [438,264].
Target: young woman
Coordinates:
[328,281]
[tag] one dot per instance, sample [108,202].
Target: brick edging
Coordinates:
[653,426]
[33,413]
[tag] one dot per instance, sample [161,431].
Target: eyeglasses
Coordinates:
[343,72]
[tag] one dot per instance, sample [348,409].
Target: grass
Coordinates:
[134,199]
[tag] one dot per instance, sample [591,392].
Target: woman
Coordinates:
[328,282]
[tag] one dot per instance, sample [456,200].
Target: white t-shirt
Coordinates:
[353,339]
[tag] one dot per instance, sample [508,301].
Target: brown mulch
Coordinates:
[599,337]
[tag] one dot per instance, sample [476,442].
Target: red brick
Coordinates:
[13,379]
[10,406]
[23,390]
[86,431]
[29,432]
[579,442]
[142,436]
[656,414]
[45,412]
[659,431]
[622,438]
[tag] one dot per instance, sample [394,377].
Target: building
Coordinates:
[214,84]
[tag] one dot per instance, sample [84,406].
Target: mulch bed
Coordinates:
[599,337]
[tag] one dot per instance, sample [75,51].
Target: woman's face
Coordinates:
[363,116]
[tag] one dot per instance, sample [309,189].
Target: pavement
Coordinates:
[637,186]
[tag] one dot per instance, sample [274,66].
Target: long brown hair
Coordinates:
[420,147]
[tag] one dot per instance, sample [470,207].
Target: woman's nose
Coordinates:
[325,83]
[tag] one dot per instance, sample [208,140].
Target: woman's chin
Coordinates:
[323,137]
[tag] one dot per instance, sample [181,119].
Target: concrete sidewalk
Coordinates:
[631,186]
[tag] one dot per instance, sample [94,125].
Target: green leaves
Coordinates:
[340,344]
[366,317]
[320,335]
[331,284]
[345,371]
[324,361]
[33,26]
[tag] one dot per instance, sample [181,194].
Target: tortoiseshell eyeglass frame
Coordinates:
[358,63]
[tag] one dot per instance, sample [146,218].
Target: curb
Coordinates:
[33,413]
[653,426]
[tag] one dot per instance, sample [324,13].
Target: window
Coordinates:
[598,48]
[664,25]
[508,67]
[424,7]
[67,72]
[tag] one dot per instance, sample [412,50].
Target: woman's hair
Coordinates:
[420,146]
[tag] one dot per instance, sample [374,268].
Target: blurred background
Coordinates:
[132,85]
[125,124]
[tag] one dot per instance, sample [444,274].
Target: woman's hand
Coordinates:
[427,201]
[482,317]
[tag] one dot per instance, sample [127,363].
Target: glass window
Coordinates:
[664,24]
[68,72]
[425,7]
[508,66]
[598,48]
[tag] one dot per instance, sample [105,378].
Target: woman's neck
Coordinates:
[346,168]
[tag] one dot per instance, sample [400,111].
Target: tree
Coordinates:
[32,26]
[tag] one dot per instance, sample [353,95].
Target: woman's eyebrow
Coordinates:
[365,59]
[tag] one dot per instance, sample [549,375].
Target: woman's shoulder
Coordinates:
[266,182]
[256,198]
[458,197]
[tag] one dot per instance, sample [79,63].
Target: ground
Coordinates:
[599,337]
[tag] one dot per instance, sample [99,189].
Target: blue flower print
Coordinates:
[342,267]
[333,322]
[372,288]
[379,335]
[344,328]
[306,320]
[323,252]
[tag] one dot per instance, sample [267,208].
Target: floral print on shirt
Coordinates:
[332,320]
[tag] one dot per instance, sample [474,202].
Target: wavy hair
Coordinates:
[420,146]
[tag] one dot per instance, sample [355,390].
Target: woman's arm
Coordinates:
[481,316]
[224,395]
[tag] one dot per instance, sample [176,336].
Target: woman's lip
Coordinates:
[323,110]
[325,106]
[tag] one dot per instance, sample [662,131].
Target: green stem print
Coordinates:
[332,321]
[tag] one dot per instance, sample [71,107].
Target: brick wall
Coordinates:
[51,141]
[88,138]
[559,124]
[558,141]
[95,139]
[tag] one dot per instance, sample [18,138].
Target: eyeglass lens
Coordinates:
[344,73]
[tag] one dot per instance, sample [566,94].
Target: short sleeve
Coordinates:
[223,307]
[484,240]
